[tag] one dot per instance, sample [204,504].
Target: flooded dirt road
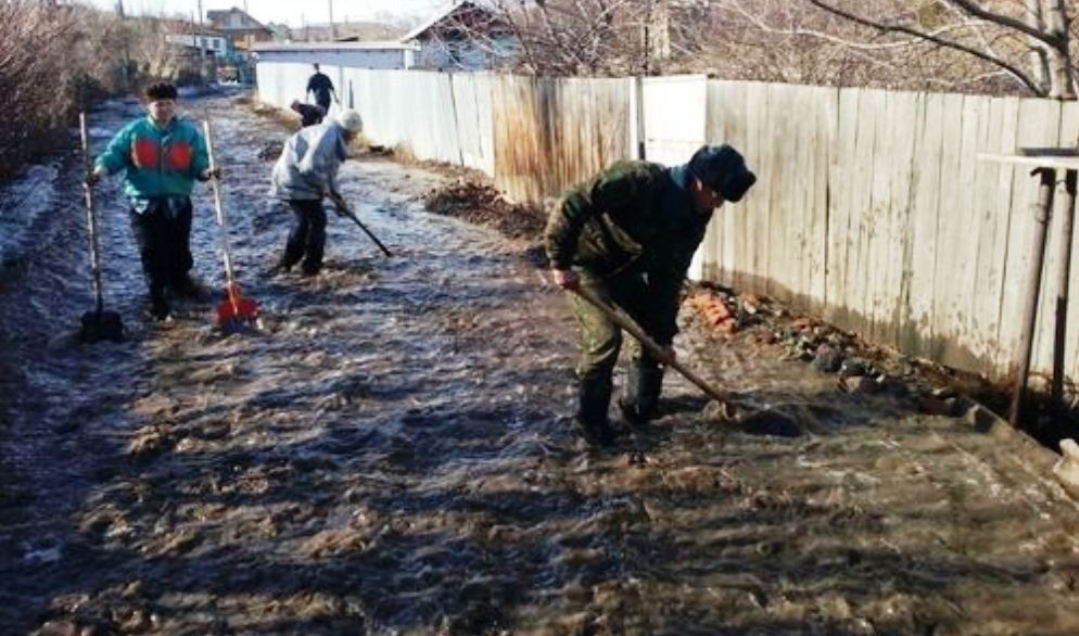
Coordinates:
[393,455]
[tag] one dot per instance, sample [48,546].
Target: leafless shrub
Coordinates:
[573,37]
[56,59]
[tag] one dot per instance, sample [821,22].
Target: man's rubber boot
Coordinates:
[594,397]
[186,287]
[640,400]
[159,305]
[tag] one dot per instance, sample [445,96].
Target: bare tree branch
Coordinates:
[896,28]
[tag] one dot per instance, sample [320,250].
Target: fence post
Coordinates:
[637,116]
[1064,252]
[1042,213]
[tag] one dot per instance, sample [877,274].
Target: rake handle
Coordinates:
[345,210]
[618,317]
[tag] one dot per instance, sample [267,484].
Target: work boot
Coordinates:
[187,288]
[279,268]
[640,399]
[159,305]
[594,397]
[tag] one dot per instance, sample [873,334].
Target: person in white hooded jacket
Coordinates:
[303,176]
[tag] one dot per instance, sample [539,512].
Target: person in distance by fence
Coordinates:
[628,236]
[321,85]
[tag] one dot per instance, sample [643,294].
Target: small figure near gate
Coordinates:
[628,236]
[319,84]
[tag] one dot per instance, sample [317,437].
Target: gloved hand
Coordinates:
[565,278]
[93,177]
[339,205]
[208,174]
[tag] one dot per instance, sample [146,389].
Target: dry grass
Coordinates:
[57,60]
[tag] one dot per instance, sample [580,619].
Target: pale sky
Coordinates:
[295,13]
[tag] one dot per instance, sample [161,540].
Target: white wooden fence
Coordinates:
[872,208]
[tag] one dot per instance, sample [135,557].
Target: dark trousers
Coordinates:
[163,235]
[310,115]
[307,240]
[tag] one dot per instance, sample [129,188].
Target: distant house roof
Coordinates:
[173,25]
[459,17]
[219,19]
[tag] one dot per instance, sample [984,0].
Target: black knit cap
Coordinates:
[724,170]
[160,90]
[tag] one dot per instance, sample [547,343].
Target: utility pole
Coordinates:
[333,30]
[247,38]
[127,46]
[203,65]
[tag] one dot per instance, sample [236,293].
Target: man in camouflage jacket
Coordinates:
[628,235]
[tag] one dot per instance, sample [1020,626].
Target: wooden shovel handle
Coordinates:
[91,215]
[620,318]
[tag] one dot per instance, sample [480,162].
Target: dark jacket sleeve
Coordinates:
[667,276]
[612,189]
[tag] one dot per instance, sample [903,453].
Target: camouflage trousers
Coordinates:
[601,339]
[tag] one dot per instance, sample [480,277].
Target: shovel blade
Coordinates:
[237,314]
[101,325]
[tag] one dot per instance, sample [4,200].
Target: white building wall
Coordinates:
[384,59]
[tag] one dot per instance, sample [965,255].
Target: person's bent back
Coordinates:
[304,174]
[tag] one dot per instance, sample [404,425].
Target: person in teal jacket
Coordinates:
[628,236]
[161,156]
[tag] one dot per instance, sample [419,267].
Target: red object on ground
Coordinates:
[715,312]
[236,312]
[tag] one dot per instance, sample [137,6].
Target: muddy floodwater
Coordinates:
[392,455]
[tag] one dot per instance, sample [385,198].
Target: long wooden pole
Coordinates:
[1042,213]
[1064,254]
[625,322]
[91,217]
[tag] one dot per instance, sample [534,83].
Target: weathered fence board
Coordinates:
[729,109]
[472,104]
[953,248]
[552,133]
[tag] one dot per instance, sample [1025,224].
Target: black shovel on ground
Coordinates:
[97,324]
[344,210]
